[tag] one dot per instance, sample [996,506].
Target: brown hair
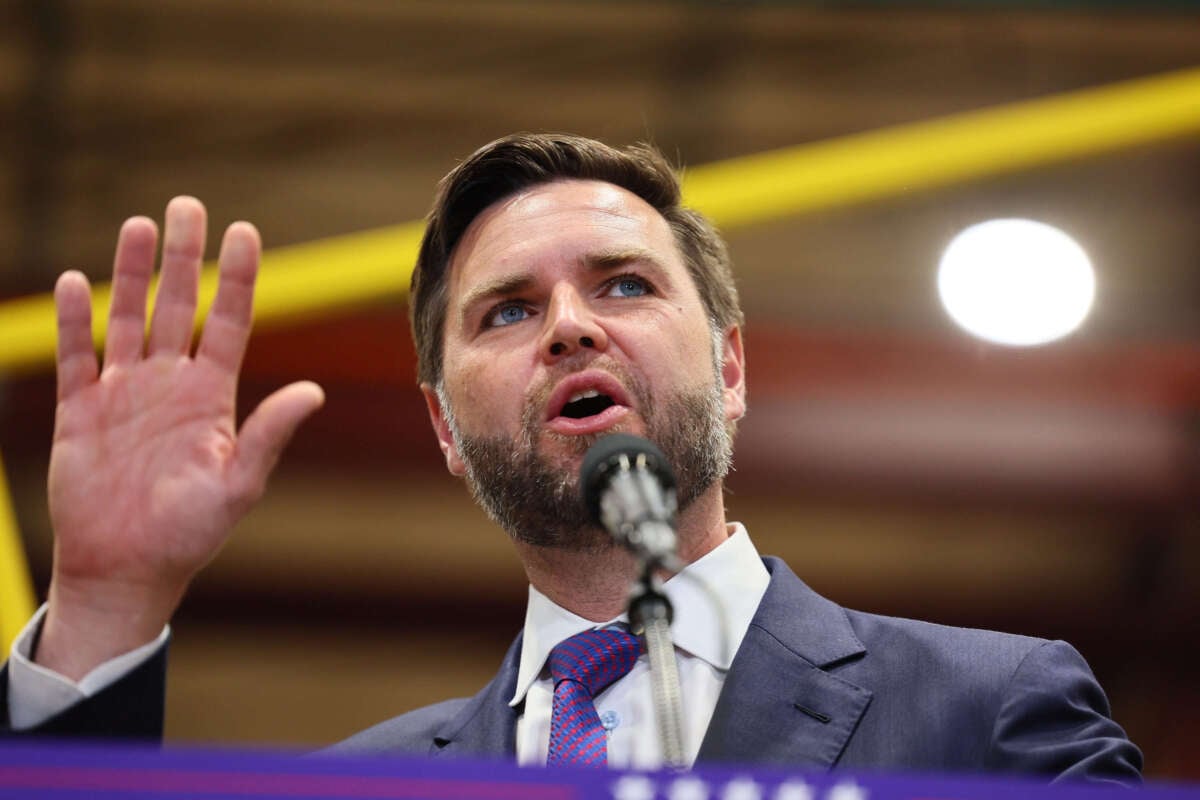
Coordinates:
[509,165]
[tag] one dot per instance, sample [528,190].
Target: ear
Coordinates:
[733,374]
[442,429]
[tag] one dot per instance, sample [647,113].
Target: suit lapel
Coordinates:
[781,703]
[487,725]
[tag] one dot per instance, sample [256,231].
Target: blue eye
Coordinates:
[507,314]
[628,286]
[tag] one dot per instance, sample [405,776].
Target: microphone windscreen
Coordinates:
[602,458]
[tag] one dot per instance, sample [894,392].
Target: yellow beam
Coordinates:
[302,280]
[940,152]
[343,271]
[16,590]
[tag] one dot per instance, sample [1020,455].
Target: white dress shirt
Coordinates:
[714,599]
[704,647]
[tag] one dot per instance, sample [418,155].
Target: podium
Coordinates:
[54,771]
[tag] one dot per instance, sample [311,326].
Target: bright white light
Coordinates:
[1016,282]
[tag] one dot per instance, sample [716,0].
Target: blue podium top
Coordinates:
[53,771]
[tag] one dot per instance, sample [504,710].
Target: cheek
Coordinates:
[690,344]
[671,347]
[487,394]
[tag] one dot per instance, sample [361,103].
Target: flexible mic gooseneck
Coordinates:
[629,489]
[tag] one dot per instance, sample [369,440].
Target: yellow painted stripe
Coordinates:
[295,282]
[16,589]
[955,149]
[344,271]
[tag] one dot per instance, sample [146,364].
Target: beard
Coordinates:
[537,501]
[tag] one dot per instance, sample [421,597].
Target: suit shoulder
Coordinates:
[949,698]
[966,651]
[412,732]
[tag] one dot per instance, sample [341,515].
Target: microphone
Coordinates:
[629,488]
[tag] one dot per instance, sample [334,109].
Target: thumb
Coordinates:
[265,433]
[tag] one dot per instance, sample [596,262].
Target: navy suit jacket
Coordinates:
[813,686]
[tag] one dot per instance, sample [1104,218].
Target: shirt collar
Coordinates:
[728,581]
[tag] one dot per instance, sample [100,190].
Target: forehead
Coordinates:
[558,223]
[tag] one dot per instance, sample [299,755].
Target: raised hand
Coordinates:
[148,473]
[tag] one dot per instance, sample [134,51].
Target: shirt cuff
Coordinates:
[35,694]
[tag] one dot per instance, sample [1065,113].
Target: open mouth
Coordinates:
[586,404]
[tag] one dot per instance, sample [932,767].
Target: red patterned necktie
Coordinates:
[582,667]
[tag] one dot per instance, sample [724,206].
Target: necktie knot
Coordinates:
[595,659]
[582,667]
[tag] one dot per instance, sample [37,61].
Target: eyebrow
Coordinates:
[598,261]
[613,259]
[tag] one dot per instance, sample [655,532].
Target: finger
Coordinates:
[76,355]
[133,266]
[175,303]
[263,436]
[227,328]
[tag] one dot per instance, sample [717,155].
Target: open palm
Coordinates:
[148,473]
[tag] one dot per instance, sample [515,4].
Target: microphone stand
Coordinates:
[629,488]
[650,613]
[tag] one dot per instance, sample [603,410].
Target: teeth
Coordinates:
[583,395]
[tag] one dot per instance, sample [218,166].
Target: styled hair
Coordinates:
[509,165]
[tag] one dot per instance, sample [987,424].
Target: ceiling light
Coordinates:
[1016,282]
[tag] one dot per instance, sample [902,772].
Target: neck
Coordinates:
[595,585]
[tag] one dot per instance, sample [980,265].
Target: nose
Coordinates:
[570,326]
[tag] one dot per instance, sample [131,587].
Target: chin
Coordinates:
[557,447]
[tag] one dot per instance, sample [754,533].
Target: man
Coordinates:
[561,293]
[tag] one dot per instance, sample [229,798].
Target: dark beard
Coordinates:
[538,502]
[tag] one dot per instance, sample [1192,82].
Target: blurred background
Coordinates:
[900,465]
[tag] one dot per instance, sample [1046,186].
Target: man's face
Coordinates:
[571,315]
